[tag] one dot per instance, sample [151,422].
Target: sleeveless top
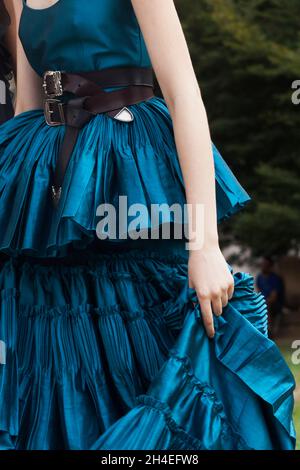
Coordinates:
[77,35]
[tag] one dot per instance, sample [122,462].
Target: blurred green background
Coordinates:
[246,55]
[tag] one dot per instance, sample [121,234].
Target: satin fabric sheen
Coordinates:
[83,36]
[103,346]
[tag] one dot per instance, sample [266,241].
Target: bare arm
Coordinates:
[29,84]
[167,47]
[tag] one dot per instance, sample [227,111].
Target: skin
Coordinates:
[208,271]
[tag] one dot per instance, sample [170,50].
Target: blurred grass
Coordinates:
[295,369]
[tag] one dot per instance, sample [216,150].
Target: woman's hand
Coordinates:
[210,277]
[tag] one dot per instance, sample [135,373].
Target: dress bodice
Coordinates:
[77,35]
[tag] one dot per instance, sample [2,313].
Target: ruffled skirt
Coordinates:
[102,344]
[111,159]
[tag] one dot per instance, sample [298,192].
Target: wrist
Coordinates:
[208,243]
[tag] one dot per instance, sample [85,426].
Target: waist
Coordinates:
[95,92]
[56,83]
[89,98]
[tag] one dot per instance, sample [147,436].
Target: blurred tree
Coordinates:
[246,55]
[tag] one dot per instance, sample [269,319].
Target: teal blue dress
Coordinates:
[102,344]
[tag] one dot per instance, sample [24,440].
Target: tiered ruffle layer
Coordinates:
[111,159]
[111,353]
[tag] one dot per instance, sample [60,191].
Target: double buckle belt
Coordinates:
[89,98]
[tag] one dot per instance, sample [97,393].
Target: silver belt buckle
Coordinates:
[52,83]
[52,106]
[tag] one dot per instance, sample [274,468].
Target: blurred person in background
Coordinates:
[271,285]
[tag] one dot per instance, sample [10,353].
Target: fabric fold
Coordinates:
[111,159]
[130,366]
[198,369]
[75,361]
[240,361]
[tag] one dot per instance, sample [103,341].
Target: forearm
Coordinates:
[193,141]
[175,73]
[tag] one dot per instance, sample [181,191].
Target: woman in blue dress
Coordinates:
[123,343]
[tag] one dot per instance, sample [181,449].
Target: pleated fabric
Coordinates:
[110,353]
[214,395]
[102,344]
[111,159]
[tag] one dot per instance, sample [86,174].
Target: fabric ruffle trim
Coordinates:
[142,429]
[228,438]
[189,407]
[184,405]
[111,159]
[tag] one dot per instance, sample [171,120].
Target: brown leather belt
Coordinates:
[89,98]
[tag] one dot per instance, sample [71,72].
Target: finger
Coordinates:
[191,286]
[224,298]
[217,306]
[207,317]
[230,291]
